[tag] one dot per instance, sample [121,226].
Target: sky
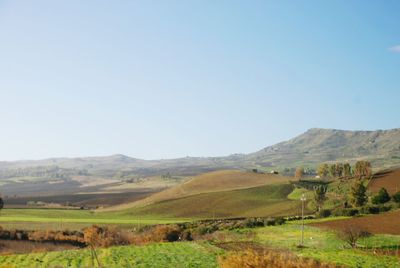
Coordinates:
[166,79]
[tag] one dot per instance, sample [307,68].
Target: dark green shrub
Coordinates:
[370,210]
[279,221]
[269,222]
[345,212]
[381,197]
[252,222]
[383,208]
[324,213]
[396,197]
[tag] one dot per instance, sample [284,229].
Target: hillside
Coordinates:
[381,147]
[224,180]
[261,201]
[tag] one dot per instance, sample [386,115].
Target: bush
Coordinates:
[345,212]
[164,233]
[105,236]
[252,222]
[370,210]
[381,197]
[324,213]
[280,221]
[383,208]
[396,197]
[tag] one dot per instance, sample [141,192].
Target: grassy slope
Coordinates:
[267,200]
[224,180]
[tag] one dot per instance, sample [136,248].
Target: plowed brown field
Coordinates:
[386,179]
[386,223]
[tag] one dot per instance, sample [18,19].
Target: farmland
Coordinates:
[387,223]
[263,201]
[389,179]
[156,255]
[73,219]
[321,244]
[223,180]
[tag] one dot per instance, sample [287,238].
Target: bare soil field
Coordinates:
[389,179]
[386,223]
[86,200]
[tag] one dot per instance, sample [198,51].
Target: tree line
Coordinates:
[361,169]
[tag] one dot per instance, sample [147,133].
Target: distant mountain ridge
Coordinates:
[382,147]
[316,145]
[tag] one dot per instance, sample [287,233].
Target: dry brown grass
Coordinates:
[224,180]
[268,259]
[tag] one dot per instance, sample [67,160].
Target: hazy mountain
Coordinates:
[314,146]
[382,147]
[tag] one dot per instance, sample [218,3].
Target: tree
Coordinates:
[351,234]
[339,169]
[396,197]
[363,169]
[381,197]
[358,194]
[299,173]
[347,172]
[323,170]
[320,196]
[332,170]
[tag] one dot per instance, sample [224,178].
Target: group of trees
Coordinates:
[361,169]
[359,195]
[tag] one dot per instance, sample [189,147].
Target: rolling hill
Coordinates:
[381,147]
[217,181]
[262,201]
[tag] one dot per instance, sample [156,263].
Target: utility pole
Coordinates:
[303,199]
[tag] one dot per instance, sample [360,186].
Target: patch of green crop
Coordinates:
[298,192]
[325,246]
[181,254]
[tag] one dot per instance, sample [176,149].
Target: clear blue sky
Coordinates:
[163,79]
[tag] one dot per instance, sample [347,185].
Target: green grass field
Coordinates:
[174,255]
[74,219]
[325,246]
